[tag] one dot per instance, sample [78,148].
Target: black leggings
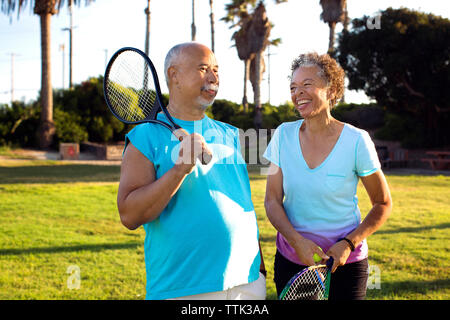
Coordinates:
[348,282]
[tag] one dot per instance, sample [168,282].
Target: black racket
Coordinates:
[134,97]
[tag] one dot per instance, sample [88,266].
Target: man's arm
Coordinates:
[141,198]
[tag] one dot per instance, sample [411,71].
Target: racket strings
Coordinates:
[309,285]
[130,90]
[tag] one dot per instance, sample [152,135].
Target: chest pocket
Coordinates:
[334,181]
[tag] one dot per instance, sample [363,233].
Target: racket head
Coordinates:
[131,87]
[311,283]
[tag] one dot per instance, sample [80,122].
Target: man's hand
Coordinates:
[191,148]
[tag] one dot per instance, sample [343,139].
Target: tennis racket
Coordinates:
[312,283]
[134,97]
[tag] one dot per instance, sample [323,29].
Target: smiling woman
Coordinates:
[311,196]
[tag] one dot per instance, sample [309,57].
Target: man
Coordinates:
[201,231]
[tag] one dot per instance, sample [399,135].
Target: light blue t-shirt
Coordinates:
[206,239]
[322,203]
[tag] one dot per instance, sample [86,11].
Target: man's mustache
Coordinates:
[210,87]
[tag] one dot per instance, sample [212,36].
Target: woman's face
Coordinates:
[309,92]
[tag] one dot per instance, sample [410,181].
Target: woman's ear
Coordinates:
[331,95]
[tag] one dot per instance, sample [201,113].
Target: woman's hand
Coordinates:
[340,252]
[305,250]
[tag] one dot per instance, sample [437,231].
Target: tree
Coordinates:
[193,28]
[334,11]
[237,9]
[250,40]
[45,9]
[211,18]
[404,66]
[147,28]
[259,37]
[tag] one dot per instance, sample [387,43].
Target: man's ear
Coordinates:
[172,74]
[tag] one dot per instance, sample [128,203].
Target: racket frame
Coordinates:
[326,285]
[158,98]
[178,131]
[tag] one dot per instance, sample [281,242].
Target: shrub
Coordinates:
[68,127]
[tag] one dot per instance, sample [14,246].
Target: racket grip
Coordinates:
[330,263]
[206,155]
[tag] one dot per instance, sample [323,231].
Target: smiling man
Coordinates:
[201,231]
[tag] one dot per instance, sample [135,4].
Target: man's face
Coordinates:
[197,77]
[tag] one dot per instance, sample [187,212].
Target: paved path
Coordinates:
[89,158]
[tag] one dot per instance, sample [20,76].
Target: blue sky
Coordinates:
[104,26]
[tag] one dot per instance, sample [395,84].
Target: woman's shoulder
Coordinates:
[357,135]
[355,131]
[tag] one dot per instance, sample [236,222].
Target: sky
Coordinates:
[105,26]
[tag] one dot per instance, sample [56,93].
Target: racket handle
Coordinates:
[206,155]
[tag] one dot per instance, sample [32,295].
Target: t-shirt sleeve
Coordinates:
[367,161]
[272,152]
[139,137]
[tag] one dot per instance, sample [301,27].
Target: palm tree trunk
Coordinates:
[193,29]
[331,42]
[257,87]
[147,29]
[257,91]
[246,77]
[211,17]
[47,127]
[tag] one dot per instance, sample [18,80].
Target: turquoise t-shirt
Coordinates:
[206,239]
[322,203]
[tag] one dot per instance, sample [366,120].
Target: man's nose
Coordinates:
[213,77]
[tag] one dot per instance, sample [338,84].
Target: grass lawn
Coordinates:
[56,215]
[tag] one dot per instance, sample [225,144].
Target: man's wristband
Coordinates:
[352,246]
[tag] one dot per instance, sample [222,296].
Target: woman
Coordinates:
[311,199]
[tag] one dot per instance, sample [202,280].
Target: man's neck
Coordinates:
[185,112]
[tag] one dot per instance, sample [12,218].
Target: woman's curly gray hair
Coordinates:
[330,71]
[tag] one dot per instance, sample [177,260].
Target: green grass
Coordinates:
[54,215]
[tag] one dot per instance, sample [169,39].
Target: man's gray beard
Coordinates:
[204,103]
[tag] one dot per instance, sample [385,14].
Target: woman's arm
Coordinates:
[277,216]
[379,194]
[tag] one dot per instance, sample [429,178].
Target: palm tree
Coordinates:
[147,30]
[333,11]
[259,33]
[237,9]
[45,9]
[250,41]
[211,17]
[193,29]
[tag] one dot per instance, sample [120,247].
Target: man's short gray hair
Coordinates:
[172,56]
